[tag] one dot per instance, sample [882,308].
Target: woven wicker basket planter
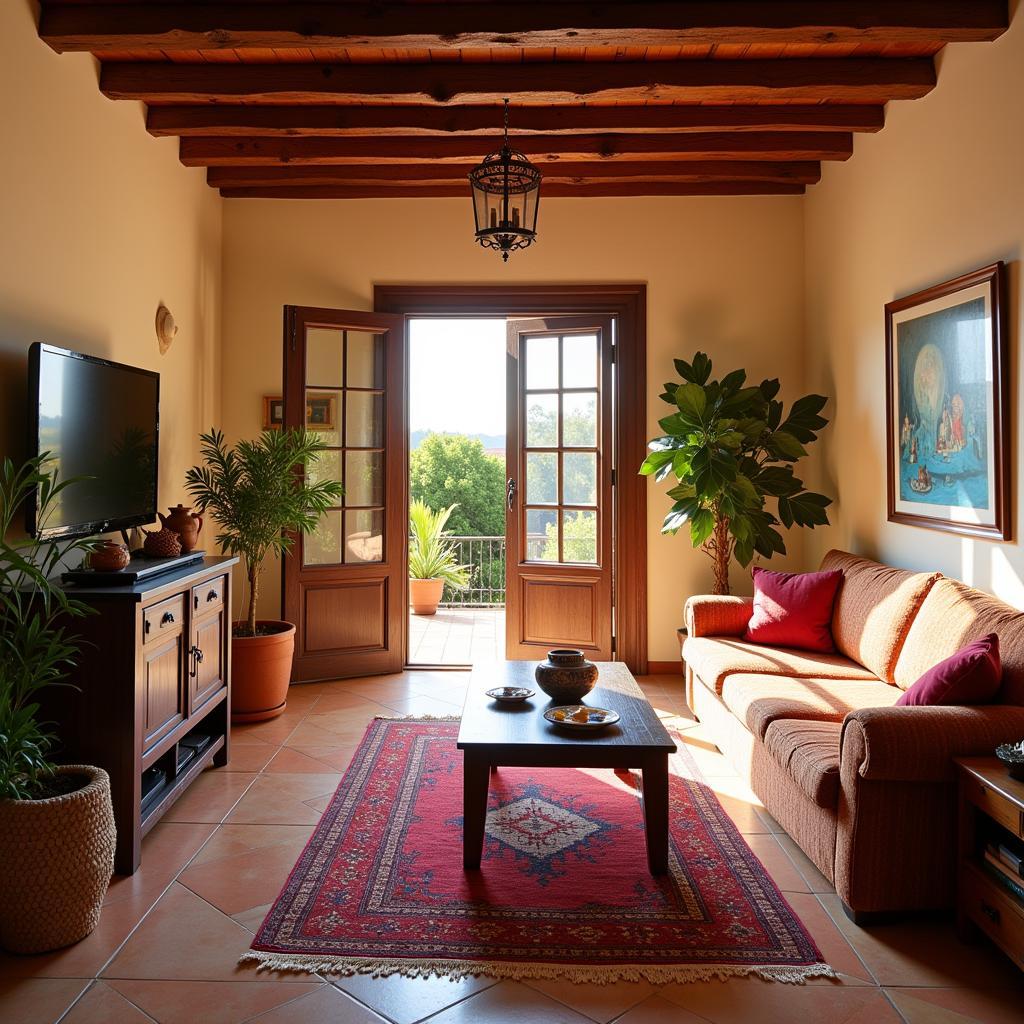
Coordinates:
[56,858]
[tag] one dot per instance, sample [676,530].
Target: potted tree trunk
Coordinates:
[432,559]
[259,495]
[56,823]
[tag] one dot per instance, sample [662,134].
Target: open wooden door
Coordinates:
[559,579]
[344,586]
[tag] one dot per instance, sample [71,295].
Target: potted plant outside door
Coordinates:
[433,561]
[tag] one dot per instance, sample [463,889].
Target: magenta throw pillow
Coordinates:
[971,676]
[794,609]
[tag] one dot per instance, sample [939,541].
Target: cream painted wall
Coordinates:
[723,274]
[938,193]
[99,224]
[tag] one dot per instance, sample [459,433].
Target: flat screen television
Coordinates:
[99,421]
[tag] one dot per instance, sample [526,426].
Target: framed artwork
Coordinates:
[273,412]
[947,407]
[321,410]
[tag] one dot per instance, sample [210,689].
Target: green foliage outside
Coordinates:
[432,556]
[579,538]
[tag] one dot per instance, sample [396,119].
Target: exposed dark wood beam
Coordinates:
[421,120]
[533,23]
[716,188]
[851,80]
[542,149]
[764,171]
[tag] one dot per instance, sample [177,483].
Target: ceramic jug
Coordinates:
[185,523]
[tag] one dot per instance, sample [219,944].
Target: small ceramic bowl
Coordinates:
[1012,755]
[510,694]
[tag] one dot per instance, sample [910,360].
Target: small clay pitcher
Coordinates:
[186,524]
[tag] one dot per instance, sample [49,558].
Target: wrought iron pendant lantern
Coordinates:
[506,195]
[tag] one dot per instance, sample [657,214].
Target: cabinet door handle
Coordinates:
[990,912]
[196,656]
[195,601]
[166,618]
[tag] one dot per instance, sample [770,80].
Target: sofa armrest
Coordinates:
[918,744]
[717,615]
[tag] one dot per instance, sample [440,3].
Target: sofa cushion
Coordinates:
[714,658]
[951,617]
[874,609]
[809,751]
[793,609]
[759,700]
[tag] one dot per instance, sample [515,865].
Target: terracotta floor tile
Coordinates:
[211,1002]
[184,938]
[210,797]
[37,1001]
[278,799]
[417,704]
[231,840]
[289,759]
[274,730]
[815,880]
[838,953]
[251,920]
[102,1005]
[600,1003]
[308,734]
[348,702]
[957,1005]
[656,1010]
[324,1006]
[777,863]
[405,1000]
[338,758]
[249,757]
[320,803]
[509,1002]
[743,815]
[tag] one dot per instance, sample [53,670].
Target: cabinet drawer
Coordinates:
[995,806]
[209,596]
[994,911]
[163,619]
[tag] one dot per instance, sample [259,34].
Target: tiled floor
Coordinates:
[457,636]
[168,942]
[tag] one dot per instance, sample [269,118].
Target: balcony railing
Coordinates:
[486,558]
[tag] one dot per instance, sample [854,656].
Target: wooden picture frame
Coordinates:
[948,407]
[273,412]
[321,410]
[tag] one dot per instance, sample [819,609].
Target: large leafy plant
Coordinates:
[260,494]
[732,449]
[432,554]
[36,647]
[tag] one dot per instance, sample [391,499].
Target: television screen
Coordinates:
[99,421]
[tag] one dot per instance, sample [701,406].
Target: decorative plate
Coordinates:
[581,717]
[511,694]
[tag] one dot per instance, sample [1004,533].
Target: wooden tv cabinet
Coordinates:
[154,670]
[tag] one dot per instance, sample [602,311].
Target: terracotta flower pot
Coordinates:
[261,669]
[56,859]
[425,596]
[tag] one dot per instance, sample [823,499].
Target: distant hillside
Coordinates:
[491,442]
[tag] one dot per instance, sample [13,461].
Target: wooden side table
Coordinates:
[991,808]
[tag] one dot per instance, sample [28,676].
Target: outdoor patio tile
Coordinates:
[324,1006]
[278,799]
[406,1000]
[210,796]
[601,1003]
[103,1005]
[509,1002]
[957,1005]
[37,1001]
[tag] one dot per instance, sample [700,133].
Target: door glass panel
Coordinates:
[541,535]
[364,478]
[579,420]
[579,536]
[364,420]
[325,466]
[322,415]
[579,478]
[541,478]
[541,363]
[542,421]
[364,535]
[365,360]
[579,361]
[323,547]
[324,346]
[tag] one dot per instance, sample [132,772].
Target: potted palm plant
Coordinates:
[56,823]
[259,494]
[433,561]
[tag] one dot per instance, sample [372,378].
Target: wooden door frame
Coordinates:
[628,303]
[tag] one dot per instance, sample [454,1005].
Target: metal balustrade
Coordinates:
[486,558]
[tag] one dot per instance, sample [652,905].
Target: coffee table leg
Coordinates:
[655,776]
[475,777]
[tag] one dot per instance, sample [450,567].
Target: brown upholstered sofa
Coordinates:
[867,789]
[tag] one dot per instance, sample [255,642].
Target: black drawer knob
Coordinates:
[167,618]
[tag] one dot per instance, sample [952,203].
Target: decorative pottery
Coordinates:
[510,694]
[162,543]
[1012,755]
[166,329]
[261,669]
[185,523]
[56,858]
[581,717]
[566,675]
[112,557]
[425,596]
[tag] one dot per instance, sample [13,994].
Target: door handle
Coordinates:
[510,493]
[196,655]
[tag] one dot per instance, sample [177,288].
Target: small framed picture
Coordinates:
[947,407]
[273,412]
[321,410]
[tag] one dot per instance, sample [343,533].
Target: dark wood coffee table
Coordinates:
[517,735]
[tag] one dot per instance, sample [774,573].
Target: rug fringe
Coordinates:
[417,718]
[454,970]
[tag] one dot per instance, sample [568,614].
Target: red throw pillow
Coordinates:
[971,676]
[794,609]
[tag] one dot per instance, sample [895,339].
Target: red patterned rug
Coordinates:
[563,890]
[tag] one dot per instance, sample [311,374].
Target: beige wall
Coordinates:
[939,192]
[99,223]
[723,274]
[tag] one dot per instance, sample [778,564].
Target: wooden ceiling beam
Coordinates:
[545,150]
[797,172]
[851,80]
[330,121]
[170,27]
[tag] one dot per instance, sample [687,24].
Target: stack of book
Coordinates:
[1006,867]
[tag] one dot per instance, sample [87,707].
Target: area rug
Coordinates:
[563,890]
